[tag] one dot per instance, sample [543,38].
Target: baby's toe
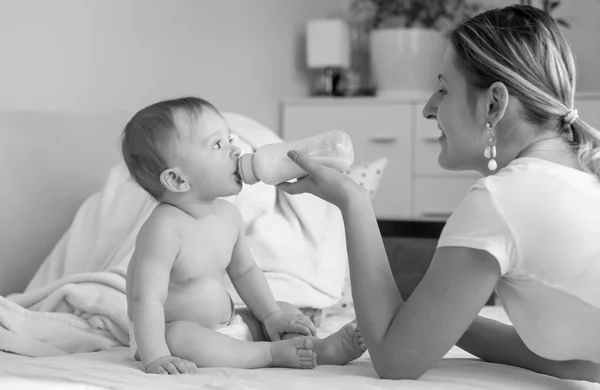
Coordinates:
[351,327]
[309,362]
[304,342]
[304,353]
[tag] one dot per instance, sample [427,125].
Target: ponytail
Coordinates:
[587,142]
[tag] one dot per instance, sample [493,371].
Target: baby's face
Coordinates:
[207,157]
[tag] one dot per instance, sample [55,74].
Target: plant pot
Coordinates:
[406,62]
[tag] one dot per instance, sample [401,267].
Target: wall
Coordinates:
[73,71]
[105,55]
[583,34]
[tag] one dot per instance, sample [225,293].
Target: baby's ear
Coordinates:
[174,181]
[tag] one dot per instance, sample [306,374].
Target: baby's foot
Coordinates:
[342,347]
[294,353]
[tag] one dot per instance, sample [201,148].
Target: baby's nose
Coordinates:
[235,152]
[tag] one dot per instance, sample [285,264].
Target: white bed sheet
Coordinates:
[116,369]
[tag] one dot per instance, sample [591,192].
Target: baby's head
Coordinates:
[181,148]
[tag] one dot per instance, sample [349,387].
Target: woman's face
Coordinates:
[464,137]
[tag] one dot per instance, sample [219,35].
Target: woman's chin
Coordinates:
[445,162]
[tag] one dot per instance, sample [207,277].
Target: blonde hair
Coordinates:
[523,47]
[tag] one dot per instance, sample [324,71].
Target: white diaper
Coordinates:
[235,328]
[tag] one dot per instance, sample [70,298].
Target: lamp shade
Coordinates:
[327,43]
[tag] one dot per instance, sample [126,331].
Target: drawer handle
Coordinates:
[431,140]
[436,214]
[383,139]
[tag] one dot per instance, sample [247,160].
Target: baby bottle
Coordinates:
[271,165]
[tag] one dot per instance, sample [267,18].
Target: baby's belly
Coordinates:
[206,303]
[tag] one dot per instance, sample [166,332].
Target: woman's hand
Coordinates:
[324,182]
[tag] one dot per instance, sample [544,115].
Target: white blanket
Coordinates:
[76,301]
[78,313]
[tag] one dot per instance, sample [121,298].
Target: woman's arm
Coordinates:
[405,339]
[496,342]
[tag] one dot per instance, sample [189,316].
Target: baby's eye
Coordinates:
[217,145]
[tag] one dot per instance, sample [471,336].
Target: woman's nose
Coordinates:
[430,109]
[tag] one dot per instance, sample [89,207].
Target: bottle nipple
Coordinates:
[245,169]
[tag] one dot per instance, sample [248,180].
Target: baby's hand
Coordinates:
[279,323]
[170,365]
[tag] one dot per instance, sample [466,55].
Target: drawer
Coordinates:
[436,198]
[377,130]
[427,148]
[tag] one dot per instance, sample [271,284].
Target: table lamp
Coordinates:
[327,51]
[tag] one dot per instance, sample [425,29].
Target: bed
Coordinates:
[69,273]
[116,369]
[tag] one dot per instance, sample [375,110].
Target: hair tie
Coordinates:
[570,117]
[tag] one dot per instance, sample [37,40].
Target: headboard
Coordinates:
[51,163]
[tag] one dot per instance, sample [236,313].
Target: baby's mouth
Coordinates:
[237,176]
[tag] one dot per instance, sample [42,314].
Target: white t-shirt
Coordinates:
[541,221]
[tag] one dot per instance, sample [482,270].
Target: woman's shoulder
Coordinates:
[533,175]
[537,190]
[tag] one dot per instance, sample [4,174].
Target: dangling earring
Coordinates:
[490,150]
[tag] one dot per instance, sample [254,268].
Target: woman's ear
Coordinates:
[174,181]
[496,102]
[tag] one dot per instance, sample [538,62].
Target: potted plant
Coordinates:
[407,40]
[548,6]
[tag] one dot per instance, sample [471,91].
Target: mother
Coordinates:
[530,229]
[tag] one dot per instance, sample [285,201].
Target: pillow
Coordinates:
[368,175]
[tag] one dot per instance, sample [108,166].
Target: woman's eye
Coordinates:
[442,91]
[217,145]
[231,139]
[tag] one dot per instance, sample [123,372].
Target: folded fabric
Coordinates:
[79,313]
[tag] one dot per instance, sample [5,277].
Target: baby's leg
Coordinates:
[208,348]
[342,347]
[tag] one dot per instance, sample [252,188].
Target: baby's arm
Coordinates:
[251,284]
[248,279]
[157,247]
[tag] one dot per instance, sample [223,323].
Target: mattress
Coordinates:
[116,369]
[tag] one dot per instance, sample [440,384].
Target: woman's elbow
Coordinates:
[399,368]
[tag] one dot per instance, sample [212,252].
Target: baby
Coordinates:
[181,152]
